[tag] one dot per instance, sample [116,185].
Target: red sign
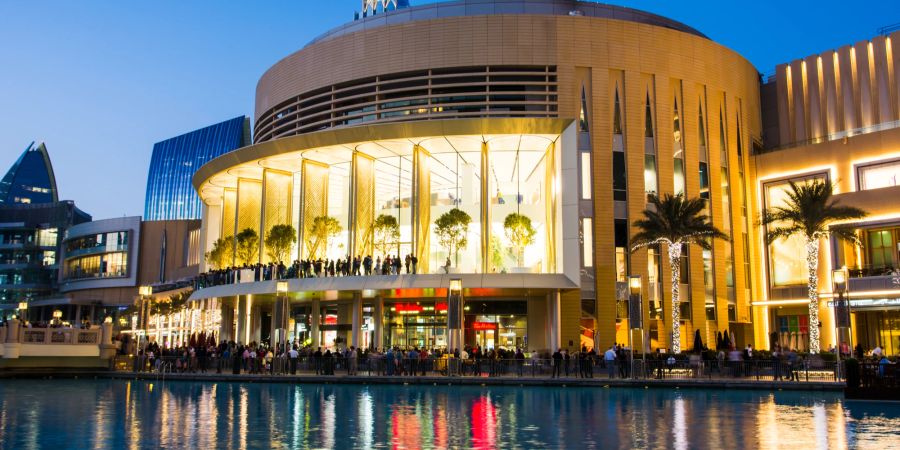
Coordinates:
[484,326]
[408,307]
[442,306]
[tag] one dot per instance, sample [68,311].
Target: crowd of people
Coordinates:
[312,268]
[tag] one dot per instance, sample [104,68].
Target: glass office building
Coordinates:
[170,195]
[30,179]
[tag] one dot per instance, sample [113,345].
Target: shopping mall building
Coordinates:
[563,111]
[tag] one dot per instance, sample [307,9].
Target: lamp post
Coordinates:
[455,318]
[840,287]
[280,314]
[57,315]
[23,311]
[145,292]
[635,315]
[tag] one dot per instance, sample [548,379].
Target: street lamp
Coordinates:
[635,315]
[455,313]
[57,315]
[280,314]
[840,286]
[145,292]
[23,311]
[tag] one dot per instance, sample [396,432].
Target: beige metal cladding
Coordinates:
[399,72]
[836,93]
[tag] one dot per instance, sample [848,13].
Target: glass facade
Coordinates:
[30,179]
[170,195]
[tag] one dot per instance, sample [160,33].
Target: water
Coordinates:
[138,414]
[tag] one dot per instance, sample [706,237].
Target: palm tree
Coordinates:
[809,211]
[675,220]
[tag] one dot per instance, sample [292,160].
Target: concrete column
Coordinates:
[378,319]
[226,327]
[107,349]
[255,321]
[357,316]
[241,311]
[553,320]
[315,319]
[11,347]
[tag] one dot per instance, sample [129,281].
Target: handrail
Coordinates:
[833,137]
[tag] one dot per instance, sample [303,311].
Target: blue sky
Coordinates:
[101,81]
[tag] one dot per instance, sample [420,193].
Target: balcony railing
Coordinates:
[58,336]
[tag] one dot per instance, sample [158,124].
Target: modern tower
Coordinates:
[30,179]
[170,195]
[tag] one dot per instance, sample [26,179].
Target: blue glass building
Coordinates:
[170,195]
[30,180]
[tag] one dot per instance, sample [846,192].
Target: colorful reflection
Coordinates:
[132,415]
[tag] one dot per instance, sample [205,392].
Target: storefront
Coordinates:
[876,322]
[489,324]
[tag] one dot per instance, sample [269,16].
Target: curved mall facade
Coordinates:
[566,112]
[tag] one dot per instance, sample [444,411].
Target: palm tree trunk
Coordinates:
[812,264]
[675,263]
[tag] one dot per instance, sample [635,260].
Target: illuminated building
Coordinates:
[565,112]
[834,115]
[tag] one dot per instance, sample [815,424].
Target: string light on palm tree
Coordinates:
[675,221]
[809,211]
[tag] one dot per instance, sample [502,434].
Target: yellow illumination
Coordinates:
[455,285]
[108,319]
[796,301]
[23,306]
[145,291]
[281,287]
[57,314]
[634,283]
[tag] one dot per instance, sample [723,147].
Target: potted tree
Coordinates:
[809,211]
[452,231]
[247,248]
[222,253]
[520,233]
[279,240]
[322,232]
[387,233]
[675,221]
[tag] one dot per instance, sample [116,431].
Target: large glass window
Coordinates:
[879,175]
[787,257]
[654,275]
[109,265]
[456,181]
[621,242]
[620,177]
[881,249]
[678,152]
[586,175]
[587,231]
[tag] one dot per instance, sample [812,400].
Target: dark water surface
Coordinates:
[116,414]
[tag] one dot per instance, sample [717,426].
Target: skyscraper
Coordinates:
[170,195]
[30,179]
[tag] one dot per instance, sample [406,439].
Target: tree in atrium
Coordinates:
[520,233]
[675,221]
[322,232]
[247,246]
[279,240]
[222,253]
[452,231]
[809,211]
[387,233]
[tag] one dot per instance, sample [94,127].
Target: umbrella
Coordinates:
[698,342]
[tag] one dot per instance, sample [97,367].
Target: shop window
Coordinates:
[617,115]
[583,115]
[881,249]
[585,175]
[620,177]
[881,175]
[650,174]
[587,232]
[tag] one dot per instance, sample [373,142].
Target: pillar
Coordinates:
[242,329]
[421,212]
[255,321]
[11,347]
[314,320]
[226,326]
[485,209]
[378,319]
[553,322]
[357,316]
[107,349]
[362,204]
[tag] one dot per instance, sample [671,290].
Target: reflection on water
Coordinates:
[104,414]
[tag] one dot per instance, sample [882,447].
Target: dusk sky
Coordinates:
[101,82]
